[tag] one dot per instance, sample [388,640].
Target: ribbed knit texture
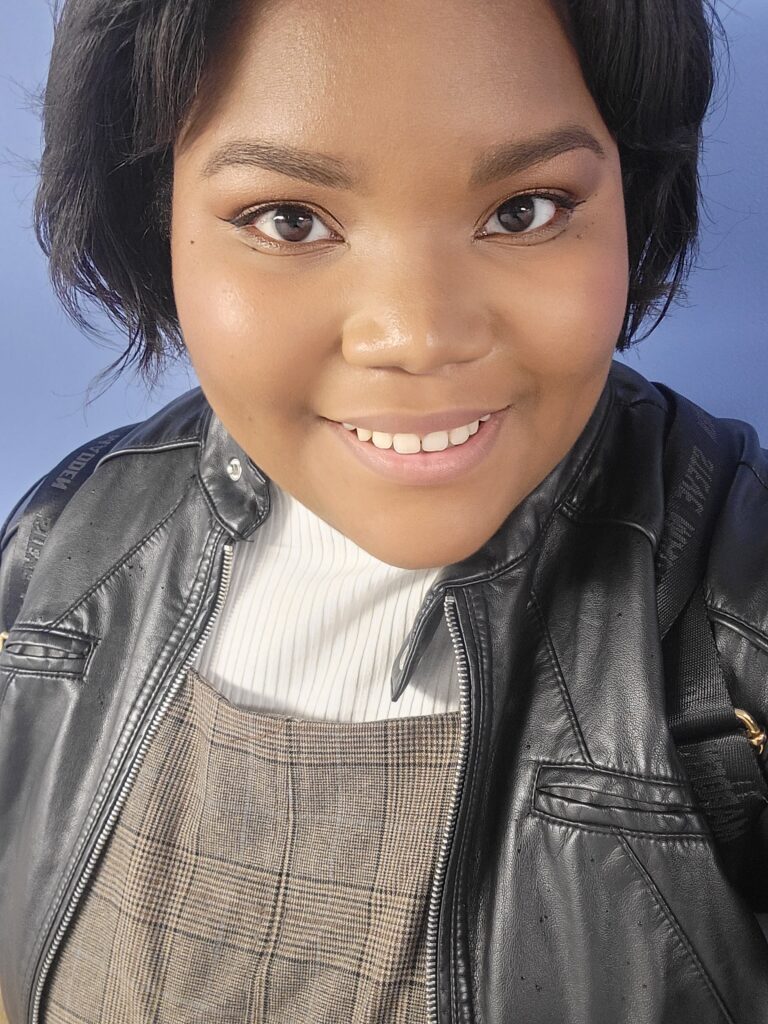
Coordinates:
[312,624]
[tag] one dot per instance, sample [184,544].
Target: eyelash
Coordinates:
[246,218]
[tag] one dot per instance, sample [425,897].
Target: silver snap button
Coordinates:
[235,469]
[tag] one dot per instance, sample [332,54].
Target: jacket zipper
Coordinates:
[224,580]
[435,900]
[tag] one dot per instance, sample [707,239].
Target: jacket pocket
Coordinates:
[599,798]
[29,649]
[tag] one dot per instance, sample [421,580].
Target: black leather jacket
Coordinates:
[576,882]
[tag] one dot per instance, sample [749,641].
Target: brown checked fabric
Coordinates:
[264,869]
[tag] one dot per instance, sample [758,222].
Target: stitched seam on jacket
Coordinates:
[75,634]
[536,787]
[587,456]
[85,657]
[106,784]
[138,447]
[731,621]
[665,780]
[204,430]
[35,674]
[619,830]
[582,516]
[149,449]
[208,499]
[149,445]
[753,469]
[562,686]
[9,680]
[631,403]
[118,565]
[567,500]
[682,938]
[551,790]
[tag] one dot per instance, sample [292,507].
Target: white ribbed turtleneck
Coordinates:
[312,624]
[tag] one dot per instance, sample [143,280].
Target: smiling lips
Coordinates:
[440,456]
[418,423]
[410,444]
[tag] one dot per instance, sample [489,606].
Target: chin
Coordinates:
[422,556]
[414,563]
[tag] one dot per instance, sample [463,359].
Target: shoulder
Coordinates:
[640,427]
[115,479]
[736,575]
[179,424]
[737,580]
[652,403]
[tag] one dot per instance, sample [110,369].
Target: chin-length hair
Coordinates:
[122,80]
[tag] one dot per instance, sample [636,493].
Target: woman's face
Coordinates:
[399,272]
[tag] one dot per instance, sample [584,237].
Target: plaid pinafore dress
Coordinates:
[264,869]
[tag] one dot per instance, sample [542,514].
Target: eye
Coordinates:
[529,214]
[295,225]
[291,223]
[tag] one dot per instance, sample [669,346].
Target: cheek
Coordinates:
[245,338]
[573,301]
[216,313]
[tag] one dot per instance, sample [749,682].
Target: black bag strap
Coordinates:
[721,759]
[726,772]
[36,516]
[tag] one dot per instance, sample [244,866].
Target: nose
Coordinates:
[417,326]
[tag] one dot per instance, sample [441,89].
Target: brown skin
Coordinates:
[399,305]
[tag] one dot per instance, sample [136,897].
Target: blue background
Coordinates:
[712,348]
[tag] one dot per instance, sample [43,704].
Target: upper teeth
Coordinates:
[407,444]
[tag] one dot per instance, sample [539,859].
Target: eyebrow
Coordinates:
[500,161]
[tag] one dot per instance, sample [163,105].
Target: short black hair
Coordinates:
[122,80]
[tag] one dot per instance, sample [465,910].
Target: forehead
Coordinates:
[359,77]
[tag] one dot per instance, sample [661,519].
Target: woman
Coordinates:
[340,688]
